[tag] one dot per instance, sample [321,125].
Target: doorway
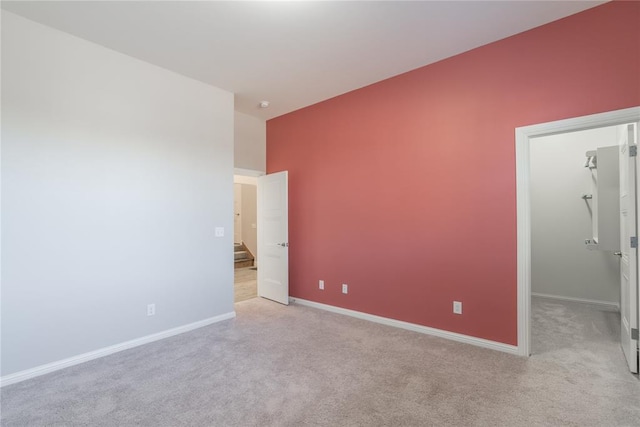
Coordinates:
[563,267]
[524,138]
[268,221]
[575,287]
[245,237]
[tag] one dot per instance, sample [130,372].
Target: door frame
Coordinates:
[237,211]
[523,136]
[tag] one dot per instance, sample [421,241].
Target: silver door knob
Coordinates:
[284,245]
[618,254]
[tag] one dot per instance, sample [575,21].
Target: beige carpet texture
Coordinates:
[298,366]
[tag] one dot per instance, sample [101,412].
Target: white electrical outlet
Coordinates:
[321,284]
[457,307]
[219,231]
[345,288]
[151,310]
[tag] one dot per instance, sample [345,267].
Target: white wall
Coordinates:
[250,218]
[237,213]
[114,175]
[250,180]
[561,221]
[245,194]
[250,145]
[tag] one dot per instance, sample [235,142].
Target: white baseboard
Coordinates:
[608,305]
[479,342]
[85,357]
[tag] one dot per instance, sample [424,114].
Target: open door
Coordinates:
[273,237]
[628,245]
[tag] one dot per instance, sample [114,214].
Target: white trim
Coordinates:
[523,202]
[466,339]
[248,172]
[85,357]
[607,305]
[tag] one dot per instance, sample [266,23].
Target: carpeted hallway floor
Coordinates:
[294,366]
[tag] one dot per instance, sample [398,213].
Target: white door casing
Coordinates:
[273,237]
[627,141]
[523,208]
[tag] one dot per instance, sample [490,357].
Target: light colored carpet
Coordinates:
[295,366]
[245,284]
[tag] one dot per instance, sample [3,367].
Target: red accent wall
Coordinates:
[406,189]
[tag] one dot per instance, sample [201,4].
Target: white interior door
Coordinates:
[629,254]
[273,237]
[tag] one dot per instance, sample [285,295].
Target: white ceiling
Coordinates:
[293,53]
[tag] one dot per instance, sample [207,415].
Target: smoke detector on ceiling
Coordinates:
[264,104]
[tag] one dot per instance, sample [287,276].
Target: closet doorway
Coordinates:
[575,286]
[558,264]
[563,266]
